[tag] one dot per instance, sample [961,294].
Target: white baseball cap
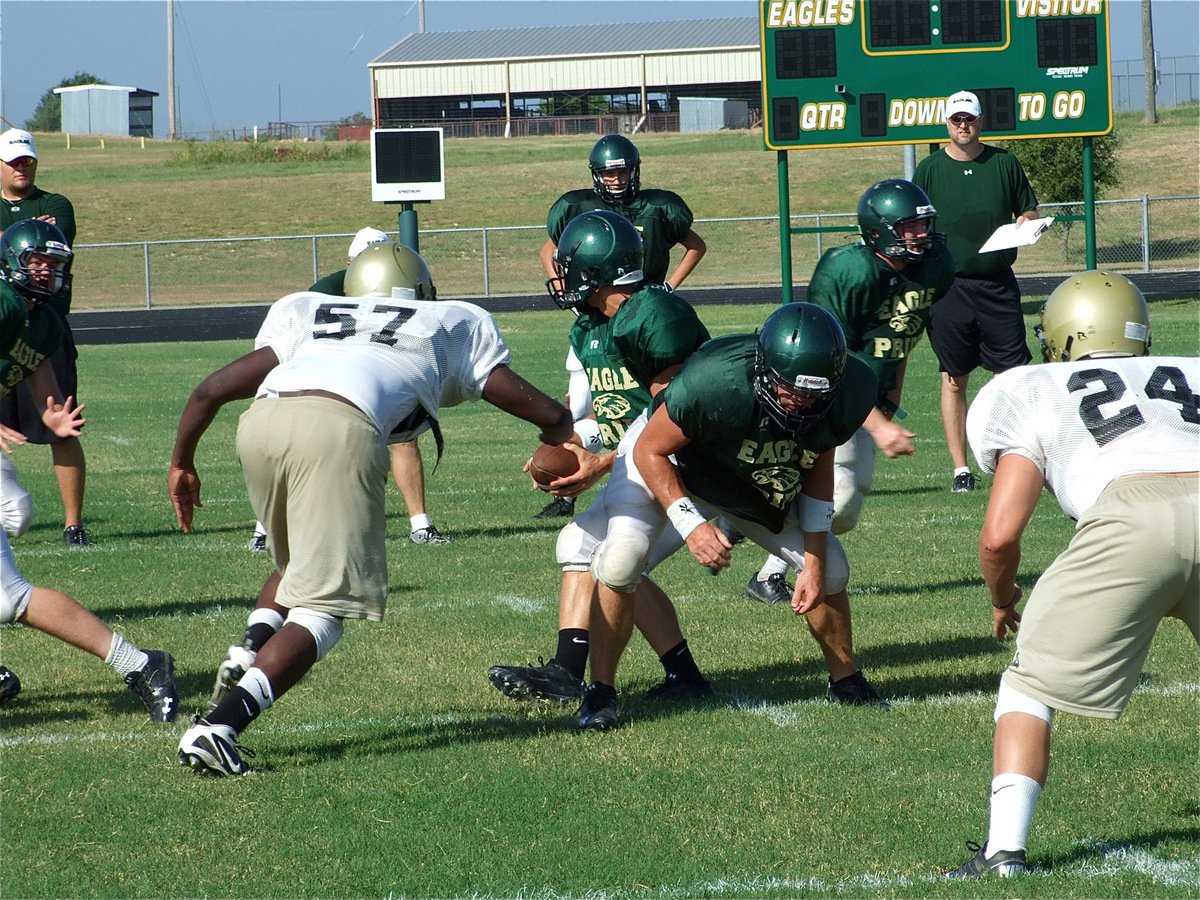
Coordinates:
[962,102]
[364,238]
[16,143]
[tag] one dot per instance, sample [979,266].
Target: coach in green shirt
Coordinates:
[976,188]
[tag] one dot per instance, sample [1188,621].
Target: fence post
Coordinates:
[146,269]
[487,292]
[1145,232]
[316,274]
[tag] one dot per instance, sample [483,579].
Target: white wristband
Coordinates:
[589,435]
[684,516]
[815,515]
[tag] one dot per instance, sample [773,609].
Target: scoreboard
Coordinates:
[850,73]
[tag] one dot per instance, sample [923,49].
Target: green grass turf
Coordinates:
[394,769]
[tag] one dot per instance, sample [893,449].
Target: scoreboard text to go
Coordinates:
[865,72]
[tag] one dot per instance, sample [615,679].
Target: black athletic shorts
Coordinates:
[979,324]
[19,409]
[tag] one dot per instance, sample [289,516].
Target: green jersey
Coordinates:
[973,199]
[651,331]
[333,284]
[27,336]
[661,218]
[882,311]
[738,458]
[43,203]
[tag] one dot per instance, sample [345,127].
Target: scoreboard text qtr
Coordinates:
[847,73]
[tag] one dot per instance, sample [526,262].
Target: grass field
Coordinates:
[395,770]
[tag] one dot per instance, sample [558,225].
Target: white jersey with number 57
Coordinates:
[1085,423]
[387,356]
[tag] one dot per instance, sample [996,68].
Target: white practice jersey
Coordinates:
[390,357]
[1085,423]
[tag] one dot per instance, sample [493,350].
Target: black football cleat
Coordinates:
[674,687]
[10,684]
[599,709]
[547,682]
[154,684]
[854,690]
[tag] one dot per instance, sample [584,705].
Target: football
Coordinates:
[551,462]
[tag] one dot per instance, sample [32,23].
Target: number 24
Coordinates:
[1166,383]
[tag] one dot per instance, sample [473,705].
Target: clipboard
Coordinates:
[1017,234]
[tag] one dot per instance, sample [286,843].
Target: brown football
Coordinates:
[551,462]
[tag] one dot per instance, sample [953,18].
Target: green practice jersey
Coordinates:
[42,203]
[333,284]
[882,311]
[651,331]
[27,336]
[738,458]
[661,217]
[973,199]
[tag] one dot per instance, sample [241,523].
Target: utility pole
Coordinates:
[171,70]
[1149,64]
[421,16]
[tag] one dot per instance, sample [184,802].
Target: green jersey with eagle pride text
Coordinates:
[27,336]
[661,218]
[882,311]
[738,458]
[651,331]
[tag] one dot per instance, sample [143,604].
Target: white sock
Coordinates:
[260,528]
[1013,800]
[124,657]
[258,686]
[416,523]
[962,470]
[773,566]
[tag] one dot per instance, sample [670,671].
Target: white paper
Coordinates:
[1018,234]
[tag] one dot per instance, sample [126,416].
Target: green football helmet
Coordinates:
[29,238]
[886,205]
[614,151]
[1094,314]
[386,265]
[802,348]
[596,248]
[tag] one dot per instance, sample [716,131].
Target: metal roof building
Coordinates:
[534,80]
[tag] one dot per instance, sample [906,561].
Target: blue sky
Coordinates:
[245,63]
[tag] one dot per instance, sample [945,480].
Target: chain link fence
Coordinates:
[1133,235]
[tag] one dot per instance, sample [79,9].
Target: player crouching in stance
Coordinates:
[1114,437]
[35,266]
[337,379]
[748,428]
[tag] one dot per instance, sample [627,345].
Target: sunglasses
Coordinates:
[962,119]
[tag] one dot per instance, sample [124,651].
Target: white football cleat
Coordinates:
[229,673]
[212,750]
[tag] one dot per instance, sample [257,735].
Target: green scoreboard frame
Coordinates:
[853,73]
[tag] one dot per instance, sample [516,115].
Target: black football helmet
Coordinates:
[801,347]
[596,248]
[24,240]
[614,151]
[887,204]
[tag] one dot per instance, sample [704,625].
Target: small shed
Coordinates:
[107,109]
[712,114]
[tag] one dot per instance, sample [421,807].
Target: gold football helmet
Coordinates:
[386,265]
[1094,314]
